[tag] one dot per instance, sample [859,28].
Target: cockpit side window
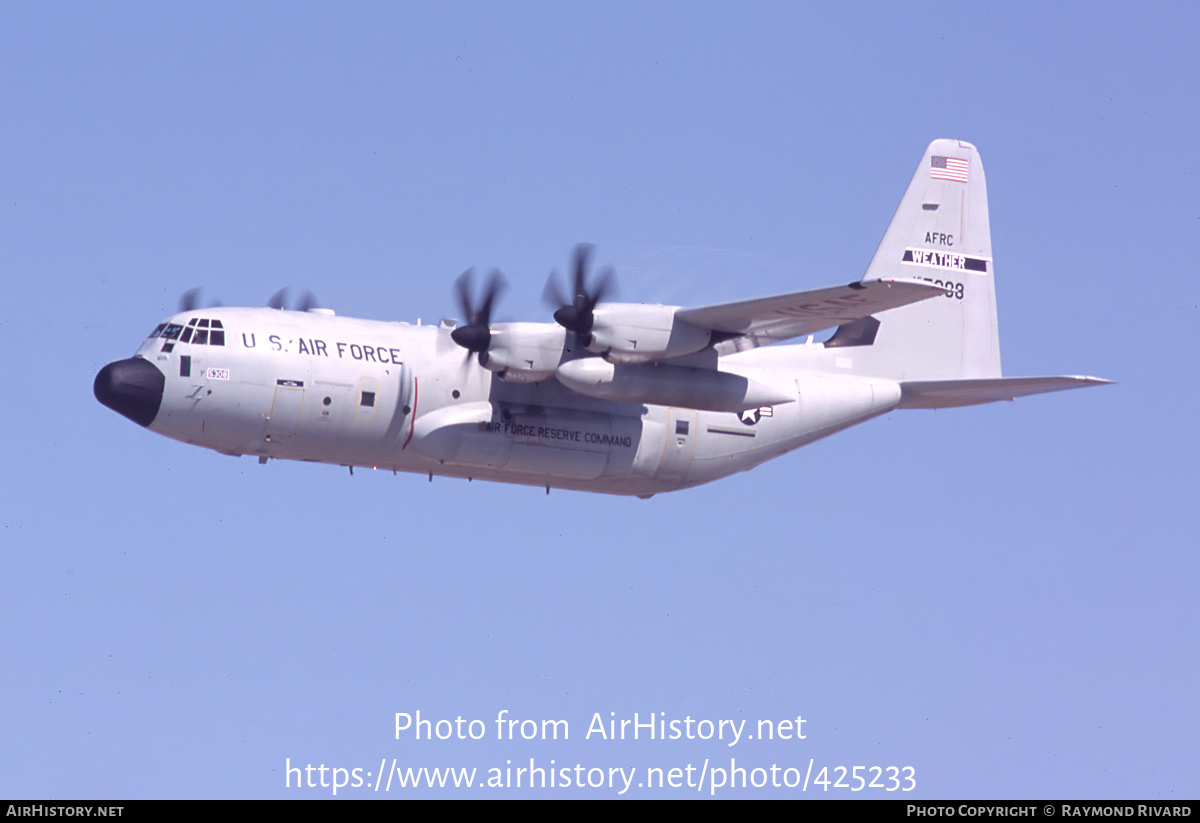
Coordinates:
[169,335]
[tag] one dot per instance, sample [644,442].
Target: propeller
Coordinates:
[307,301]
[577,313]
[190,301]
[476,335]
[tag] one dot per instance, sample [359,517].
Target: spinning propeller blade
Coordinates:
[189,300]
[476,335]
[577,313]
[307,301]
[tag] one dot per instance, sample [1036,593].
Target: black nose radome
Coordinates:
[132,387]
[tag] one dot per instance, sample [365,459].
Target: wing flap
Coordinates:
[772,319]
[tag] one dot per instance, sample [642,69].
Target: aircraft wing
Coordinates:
[772,319]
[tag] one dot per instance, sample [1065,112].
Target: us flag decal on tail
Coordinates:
[948,168]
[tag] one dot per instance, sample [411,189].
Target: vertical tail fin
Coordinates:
[939,234]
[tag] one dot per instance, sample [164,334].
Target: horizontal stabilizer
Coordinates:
[772,319]
[944,394]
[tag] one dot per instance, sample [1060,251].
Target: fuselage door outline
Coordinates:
[680,447]
[285,408]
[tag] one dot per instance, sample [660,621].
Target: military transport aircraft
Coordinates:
[619,398]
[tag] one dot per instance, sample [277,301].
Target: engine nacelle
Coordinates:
[663,385]
[640,333]
[525,352]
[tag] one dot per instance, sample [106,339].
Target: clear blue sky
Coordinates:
[1003,598]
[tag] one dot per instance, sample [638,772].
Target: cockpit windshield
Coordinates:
[204,332]
[199,331]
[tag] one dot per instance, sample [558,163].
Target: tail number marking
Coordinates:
[953,290]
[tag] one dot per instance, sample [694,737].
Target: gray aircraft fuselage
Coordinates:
[311,386]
